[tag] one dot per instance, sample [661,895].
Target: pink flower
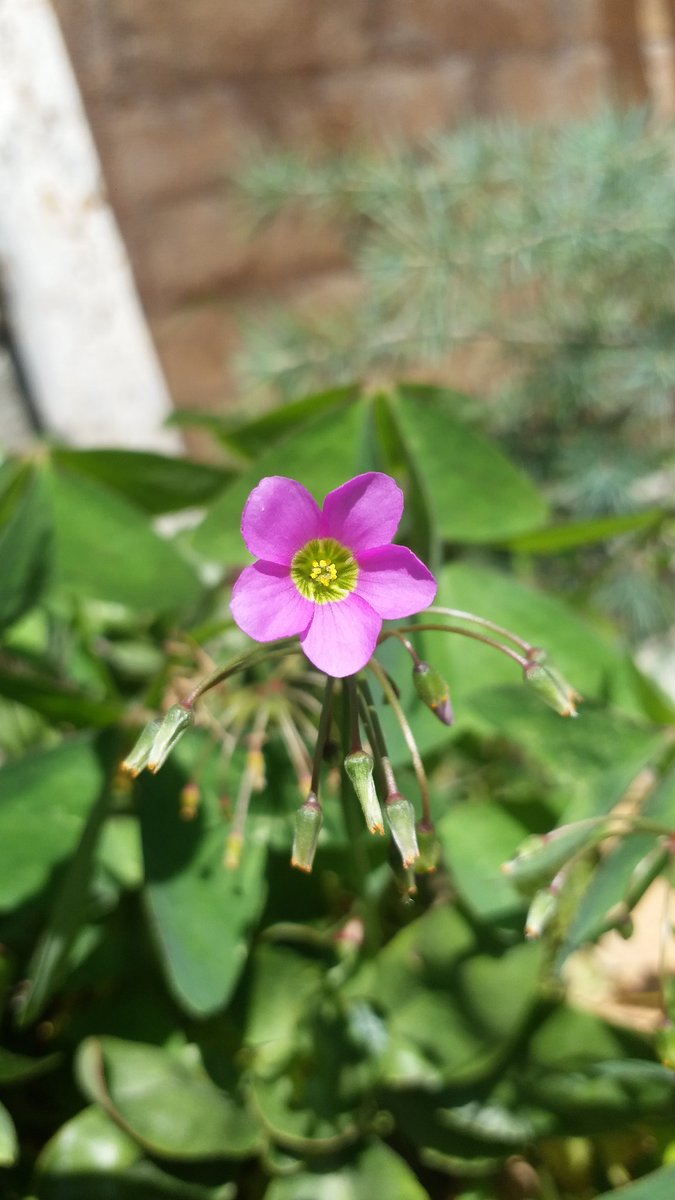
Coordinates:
[329,575]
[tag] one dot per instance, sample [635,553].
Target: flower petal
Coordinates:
[280,515]
[364,512]
[394,582]
[266,603]
[342,636]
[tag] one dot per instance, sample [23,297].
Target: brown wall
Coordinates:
[176,89]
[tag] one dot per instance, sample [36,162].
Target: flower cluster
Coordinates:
[330,577]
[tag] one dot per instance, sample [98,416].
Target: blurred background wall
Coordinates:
[177,91]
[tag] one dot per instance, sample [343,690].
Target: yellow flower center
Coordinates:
[324,570]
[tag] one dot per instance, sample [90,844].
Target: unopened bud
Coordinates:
[541,856]
[433,691]
[172,728]
[401,818]
[541,912]
[429,847]
[547,682]
[308,822]
[137,759]
[359,767]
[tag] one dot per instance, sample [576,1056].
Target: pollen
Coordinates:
[324,571]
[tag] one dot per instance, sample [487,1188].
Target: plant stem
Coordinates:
[430,627]
[418,765]
[377,737]
[240,663]
[460,614]
[322,734]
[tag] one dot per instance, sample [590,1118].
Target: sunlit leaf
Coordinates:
[165,1100]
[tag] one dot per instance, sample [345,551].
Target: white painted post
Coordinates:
[68,286]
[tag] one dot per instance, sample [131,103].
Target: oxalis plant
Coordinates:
[330,577]
[331,930]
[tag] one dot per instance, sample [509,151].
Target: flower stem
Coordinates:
[460,614]
[418,765]
[430,627]
[377,737]
[235,838]
[240,663]
[322,734]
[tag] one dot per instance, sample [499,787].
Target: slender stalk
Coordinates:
[460,614]
[354,740]
[322,734]
[379,744]
[429,627]
[418,765]
[241,663]
[368,909]
[235,838]
[408,645]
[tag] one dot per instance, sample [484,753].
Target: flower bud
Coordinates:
[429,847]
[308,822]
[172,728]
[553,688]
[401,818]
[359,767]
[433,691]
[137,758]
[541,912]
[541,856]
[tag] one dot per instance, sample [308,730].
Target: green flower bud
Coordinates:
[308,822]
[541,912]
[172,728]
[401,818]
[429,847]
[137,758]
[359,767]
[540,857]
[553,688]
[433,691]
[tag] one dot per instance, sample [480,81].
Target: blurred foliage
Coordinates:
[536,262]
[174,1028]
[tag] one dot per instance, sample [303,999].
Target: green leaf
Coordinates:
[477,494]
[280,985]
[25,549]
[92,1158]
[44,803]
[476,840]
[253,438]
[378,1171]
[322,455]
[201,913]
[9,1146]
[55,699]
[66,915]
[165,1100]
[106,549]
[660,1185]
[558,538]
[91,1141]
[155,483]
[610,880]
[17,1068]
